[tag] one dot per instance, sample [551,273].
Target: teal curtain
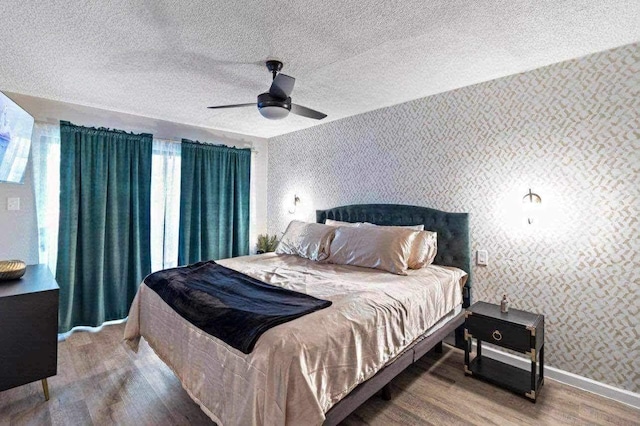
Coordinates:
[214,202]
[104,239]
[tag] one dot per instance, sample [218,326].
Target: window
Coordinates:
[165,197]
[165,204]
[45,155]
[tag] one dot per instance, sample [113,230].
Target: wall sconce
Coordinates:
[530,204]
[294,206]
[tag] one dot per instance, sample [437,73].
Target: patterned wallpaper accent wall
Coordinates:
[570,132]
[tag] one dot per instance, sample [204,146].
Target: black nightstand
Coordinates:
[518,330]
[29,329]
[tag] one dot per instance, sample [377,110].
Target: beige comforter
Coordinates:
[300,369]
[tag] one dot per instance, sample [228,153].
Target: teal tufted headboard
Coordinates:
[454,248]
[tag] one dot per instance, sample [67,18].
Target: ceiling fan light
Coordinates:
[274,112]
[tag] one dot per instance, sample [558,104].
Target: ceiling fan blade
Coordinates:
[282,86]
[232,106]
[307,112]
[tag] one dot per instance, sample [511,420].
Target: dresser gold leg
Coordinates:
[45,388]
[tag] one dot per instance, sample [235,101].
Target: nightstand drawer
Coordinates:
[499,332]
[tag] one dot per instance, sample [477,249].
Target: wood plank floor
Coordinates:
[100,382]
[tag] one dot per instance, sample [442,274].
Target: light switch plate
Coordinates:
[482,258]
[13,203]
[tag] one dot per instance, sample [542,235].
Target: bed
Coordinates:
[320,367]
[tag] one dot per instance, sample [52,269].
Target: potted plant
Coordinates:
[267,243]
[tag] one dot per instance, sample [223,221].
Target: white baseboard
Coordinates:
[584,383]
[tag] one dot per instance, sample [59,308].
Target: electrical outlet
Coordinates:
[482,258]
[13,204]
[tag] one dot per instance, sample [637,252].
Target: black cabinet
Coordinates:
[517,330]
[29,329]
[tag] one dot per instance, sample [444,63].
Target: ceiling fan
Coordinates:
[276,103]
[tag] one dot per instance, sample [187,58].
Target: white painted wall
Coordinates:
[18,229]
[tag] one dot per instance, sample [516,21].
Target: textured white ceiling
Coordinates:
[170,59]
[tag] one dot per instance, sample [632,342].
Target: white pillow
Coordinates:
[308,240]
[414,227]
[331,222]
[373,247]
[425,245]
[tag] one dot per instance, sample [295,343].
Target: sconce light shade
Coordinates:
[530,203]
[294,206]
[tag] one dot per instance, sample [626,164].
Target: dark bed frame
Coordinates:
[454,249]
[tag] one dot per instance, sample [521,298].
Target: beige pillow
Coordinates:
[308,240]
[425,245]
[373,247]
[331,222]
[424,249]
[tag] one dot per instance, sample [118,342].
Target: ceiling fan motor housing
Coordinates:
[272,107]
[276,103]
[274,65]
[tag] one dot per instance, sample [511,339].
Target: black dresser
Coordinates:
[29,329]
[517,330]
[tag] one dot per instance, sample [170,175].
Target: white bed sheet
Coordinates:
[300,369]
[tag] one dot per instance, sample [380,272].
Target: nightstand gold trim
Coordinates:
[532,330]
[45,388]
[531,394]
[467,371]
[467,314]
[531,354]
[467,335]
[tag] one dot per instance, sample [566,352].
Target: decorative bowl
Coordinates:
[11,269]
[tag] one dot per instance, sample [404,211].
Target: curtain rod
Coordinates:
[245,146]
[172,140]
[251,147]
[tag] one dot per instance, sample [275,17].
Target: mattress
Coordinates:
[300,369]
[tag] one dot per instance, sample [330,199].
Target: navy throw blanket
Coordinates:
[227,304]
